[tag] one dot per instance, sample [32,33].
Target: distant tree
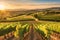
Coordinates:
[35,15]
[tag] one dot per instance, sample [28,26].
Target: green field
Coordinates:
[20,28]
[30,25]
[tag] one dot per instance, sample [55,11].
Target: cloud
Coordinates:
[34,6]
[32,0]
[29,4]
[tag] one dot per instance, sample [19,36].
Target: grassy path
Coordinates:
[33,35]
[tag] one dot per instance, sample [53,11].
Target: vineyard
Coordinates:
[30,31]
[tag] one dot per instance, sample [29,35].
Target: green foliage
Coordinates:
[21,30]
[47,17]
[46,28]
[43,28]
[6,30]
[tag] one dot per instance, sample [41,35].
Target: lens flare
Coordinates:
[2,7]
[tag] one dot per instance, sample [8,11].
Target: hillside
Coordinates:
[44,14]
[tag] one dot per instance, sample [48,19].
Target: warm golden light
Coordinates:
[2,7]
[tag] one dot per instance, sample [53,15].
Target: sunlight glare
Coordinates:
[2,7]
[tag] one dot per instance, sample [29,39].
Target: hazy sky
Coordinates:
[30,4]
[33,1]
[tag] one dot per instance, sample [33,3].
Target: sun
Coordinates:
[2,7]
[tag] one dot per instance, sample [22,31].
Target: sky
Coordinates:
[30,4]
